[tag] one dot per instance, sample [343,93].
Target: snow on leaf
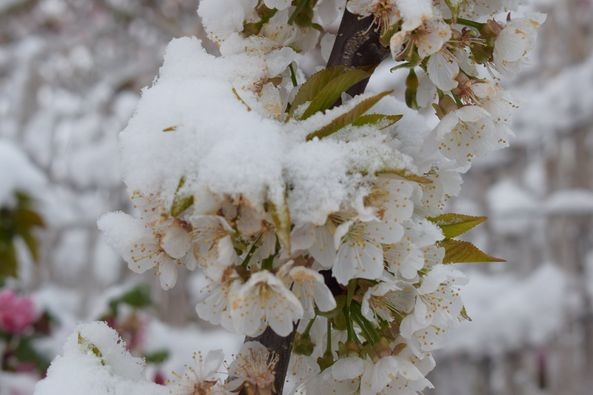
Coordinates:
[349,117]
[383,120]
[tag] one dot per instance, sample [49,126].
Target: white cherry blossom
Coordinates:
[254,367]
[212,245]
[515,42]
[443,69]
[374,376]
[438,306]
[201,379]
[215,298]
[428,38]
[156,240]
[309,287]
[467,133]
[264,300]
[388,301]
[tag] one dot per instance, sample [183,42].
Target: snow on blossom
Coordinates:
[95,361]
[270,189]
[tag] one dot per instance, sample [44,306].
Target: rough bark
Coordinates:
[357,45]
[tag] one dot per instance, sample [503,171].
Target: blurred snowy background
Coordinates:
[70,74]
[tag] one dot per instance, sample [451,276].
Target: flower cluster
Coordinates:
[303,213]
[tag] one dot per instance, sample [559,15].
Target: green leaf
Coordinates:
[265,14]
[332,91]
[28,217]
[137,297]
[26,352]
[8,261]
[411,89]
[347,118]
[31,243]
[373,119]
[157,357]
[181,202]
[454,225]
[314,84]
[457,251]
[405,174]
[303,13]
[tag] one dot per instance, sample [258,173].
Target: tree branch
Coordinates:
[357,45]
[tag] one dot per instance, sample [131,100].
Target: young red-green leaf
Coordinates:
[454,225]
[373,119]
[314,84]
[347,118]
[458,251]
[181,202]
[405,174]
[332,91]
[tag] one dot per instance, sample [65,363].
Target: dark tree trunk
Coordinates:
[357,45]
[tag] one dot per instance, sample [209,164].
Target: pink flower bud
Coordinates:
[16,313]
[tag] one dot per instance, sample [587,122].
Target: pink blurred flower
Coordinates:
[16,313]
